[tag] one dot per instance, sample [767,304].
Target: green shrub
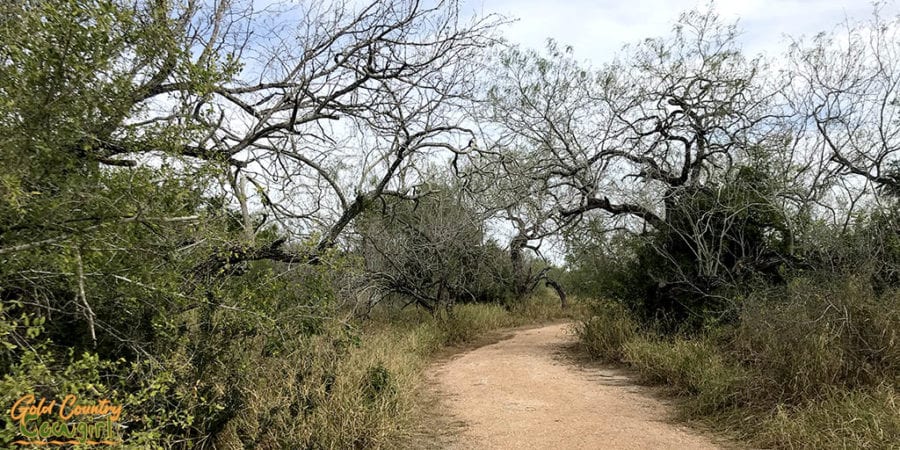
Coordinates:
[378,382]
[32,366]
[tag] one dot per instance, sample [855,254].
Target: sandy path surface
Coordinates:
[522,393]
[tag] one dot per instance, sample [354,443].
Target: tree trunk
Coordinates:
[520,277]
[563,301]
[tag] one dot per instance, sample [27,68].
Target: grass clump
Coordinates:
[466,322]
[354,385]
[693,368]
[817,336]
[860,418]
[606,331]
[348,395]
[366,397]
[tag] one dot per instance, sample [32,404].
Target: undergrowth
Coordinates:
[815,365]
[373,402]
[324,384]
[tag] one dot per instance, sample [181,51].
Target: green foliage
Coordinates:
[717,236]
[102,262]
[377,382]
[601,264]
[717,240]
[31,366]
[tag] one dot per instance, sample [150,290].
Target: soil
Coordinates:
[527,392]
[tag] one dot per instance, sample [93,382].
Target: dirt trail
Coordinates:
[522,393]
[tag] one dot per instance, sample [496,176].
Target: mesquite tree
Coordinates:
[845,86]
[845,91]
[652,141]
[310,120]
[518,200]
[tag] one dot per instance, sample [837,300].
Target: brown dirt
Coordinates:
[524,393]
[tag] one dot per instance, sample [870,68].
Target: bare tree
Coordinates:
[652,140]
[846,84]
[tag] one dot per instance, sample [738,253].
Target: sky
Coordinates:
[598,28]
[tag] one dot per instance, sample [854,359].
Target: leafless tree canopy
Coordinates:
[848,92]
[621,139]
[323,107]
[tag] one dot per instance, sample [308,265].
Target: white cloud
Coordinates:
[597,29]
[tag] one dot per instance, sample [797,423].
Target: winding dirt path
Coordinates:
[522,393]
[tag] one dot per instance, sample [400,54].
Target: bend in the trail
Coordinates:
[520,394]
